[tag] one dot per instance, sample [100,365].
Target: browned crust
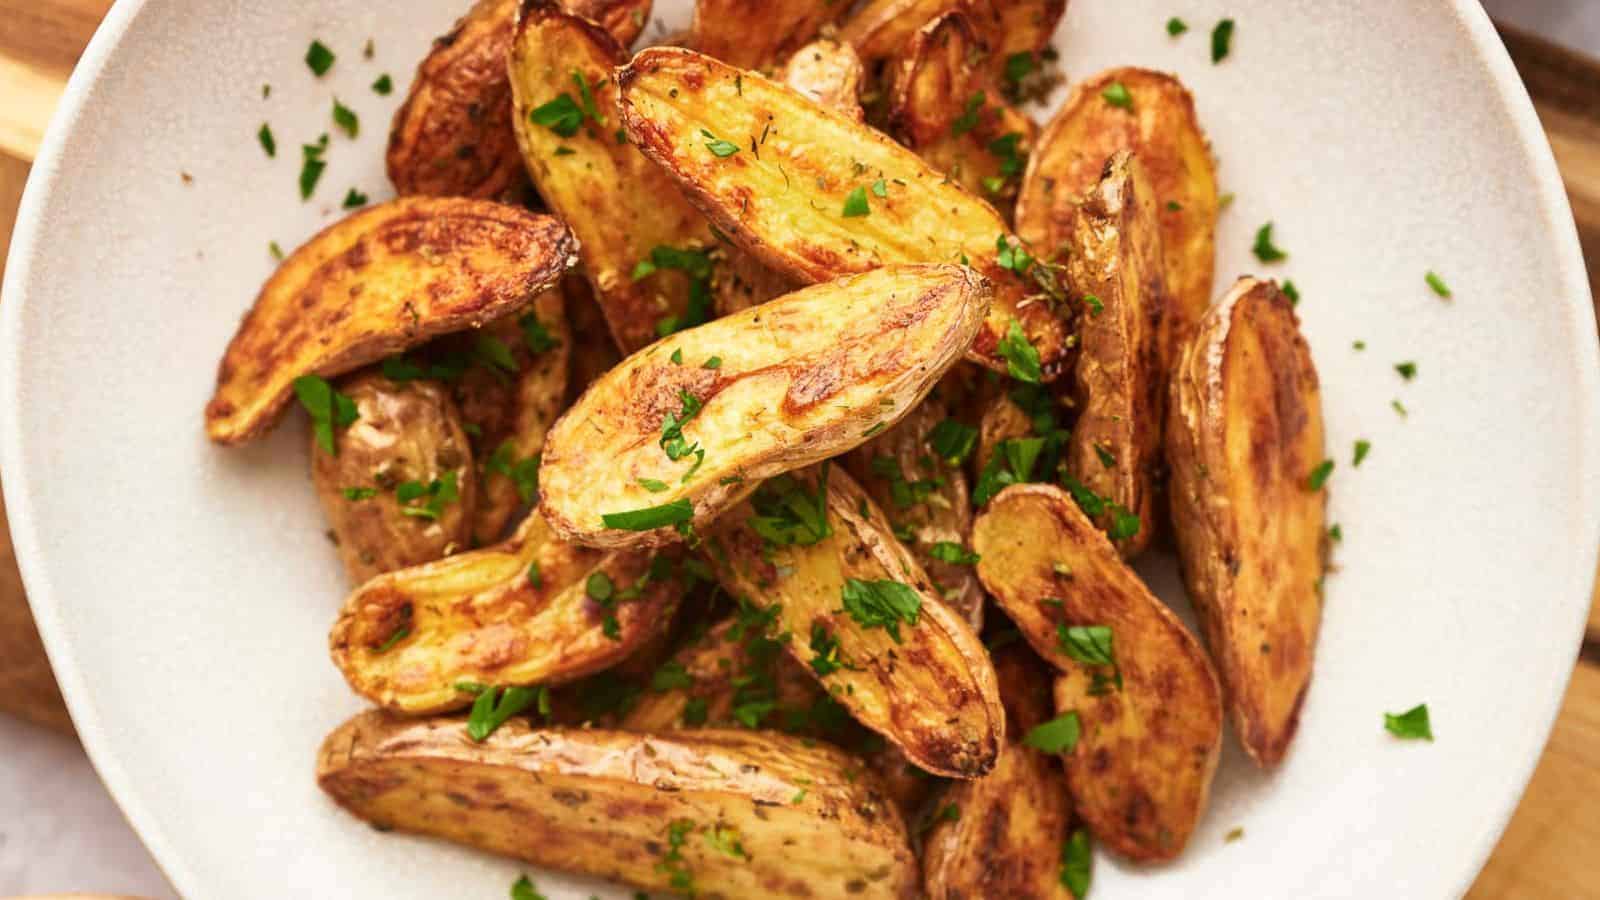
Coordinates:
[757,34]
[374,284]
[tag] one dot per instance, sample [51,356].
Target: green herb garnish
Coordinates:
[1319,475]
[384,86]
[1176,26]
[1264,248]
[1362,449]
[268,142]
[1221,40]
[494,706]
[1116,94]
[1434,281]
[1412,724]
[881,604]
[951,552]
[651,517]
[1077,864]
[1059,735]
[319,58]
[1022,358]
[328,409]
[855,204]
[953,441]
[346,119]
[1407,370]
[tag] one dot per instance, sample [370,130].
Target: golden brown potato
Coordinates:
[814,550]
[533,610]
[683,429]
[406,434]
[385,279]
[1001,835]
[815,194]
[948,108]
[925,497]
[719,814]
[881,29]
[1136,681]
[828,72]
[1160,127]
[758,34]
[1114,273]
[452,136]
[1245,434]
[509,399]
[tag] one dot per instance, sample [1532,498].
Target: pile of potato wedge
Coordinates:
[737,449]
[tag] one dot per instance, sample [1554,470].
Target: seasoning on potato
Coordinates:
[532,611]
[711,813]
[399,489]
[385,279]
[1244,435]
[1140,710]
[682,430]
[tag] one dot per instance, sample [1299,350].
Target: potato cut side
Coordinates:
[720,814]
[534,610]
[881,29]
[681,430]
[404,433]
[830,73]
[1161,129]
[1244,434]
[624,20]
[817,553]
[925,497]
[1114,272]
[759,34]
[816,194]
[949,108]
[385,279]
[1151,720]
[1001,835]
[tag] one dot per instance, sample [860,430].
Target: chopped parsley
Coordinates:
[855,204]
[1022,358]
[401,632]
[1116,94]
[1363,447]
[346,119]
[495,705]
[1088,644]
[880,189]
[1176,26]
[328,409]
[652,485]
[1264,249]
[1125,524]
[1059,735]
[672,440]
[524,474]
[672,864]
[968,119]
[1358,345]
[561,115]
[1336,532]
[677,512]
[275,250]
[1411,725]
[311,166]
[1319,475]
[713,363]
[384,86]
[1012,463]
[434,496]
[268,142]
[354,494]
[354,199]
[1407,370]
[494,352]
[671,676]
[1435,282]
[953,441]
[726,839]
[535,335]
[1012,256]
[954,553]
[787,515]
[697,266]
[881,604]
[1019,66]
[719,148]
[535,576]
[1290,291]
[1221,40]
[826,657]
[1399,408]
[523,889]
[1095,304]
[1077,864]
[319,58]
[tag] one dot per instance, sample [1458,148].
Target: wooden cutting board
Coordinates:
[1549,849]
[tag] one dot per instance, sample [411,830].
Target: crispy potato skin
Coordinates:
[933,694]
[944,69]
[406,432]
[1114,255]
[758,34]
[479,617]
[1007,841]
[881,29]
[1142,769]
[1245,431]
[944,515]
[1163,132]
[782,196]
[512,410]
[1002,420]
[829,72]
[601,803]
[385,279]
[802,378]
[624,20]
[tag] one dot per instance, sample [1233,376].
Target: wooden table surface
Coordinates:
[1550,849]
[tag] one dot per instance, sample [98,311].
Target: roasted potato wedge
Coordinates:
[1114,272]
[758,34]
[815,194]
[1151,717]
[948,108]
[664,441]
[452,136]
[829,72]
[1244,435]
[1005,834]
[906,665]
[1160,128]
[720,814]
[533,610]
[925,497]
[387,278]
[409,432]
[510,399]
[881,29]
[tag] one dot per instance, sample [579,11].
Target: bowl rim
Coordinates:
[1483,38]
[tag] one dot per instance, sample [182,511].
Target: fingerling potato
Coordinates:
[1138,684]
[828,72]
[683,429]
[758,34]
[1246,433]
[385,279]
[1159,125]
[814,194]
[712,813]
[862,616]
[881,29]
[406,434]
[1114,272]
[533,610]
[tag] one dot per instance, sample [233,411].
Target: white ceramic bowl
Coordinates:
[185,591]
